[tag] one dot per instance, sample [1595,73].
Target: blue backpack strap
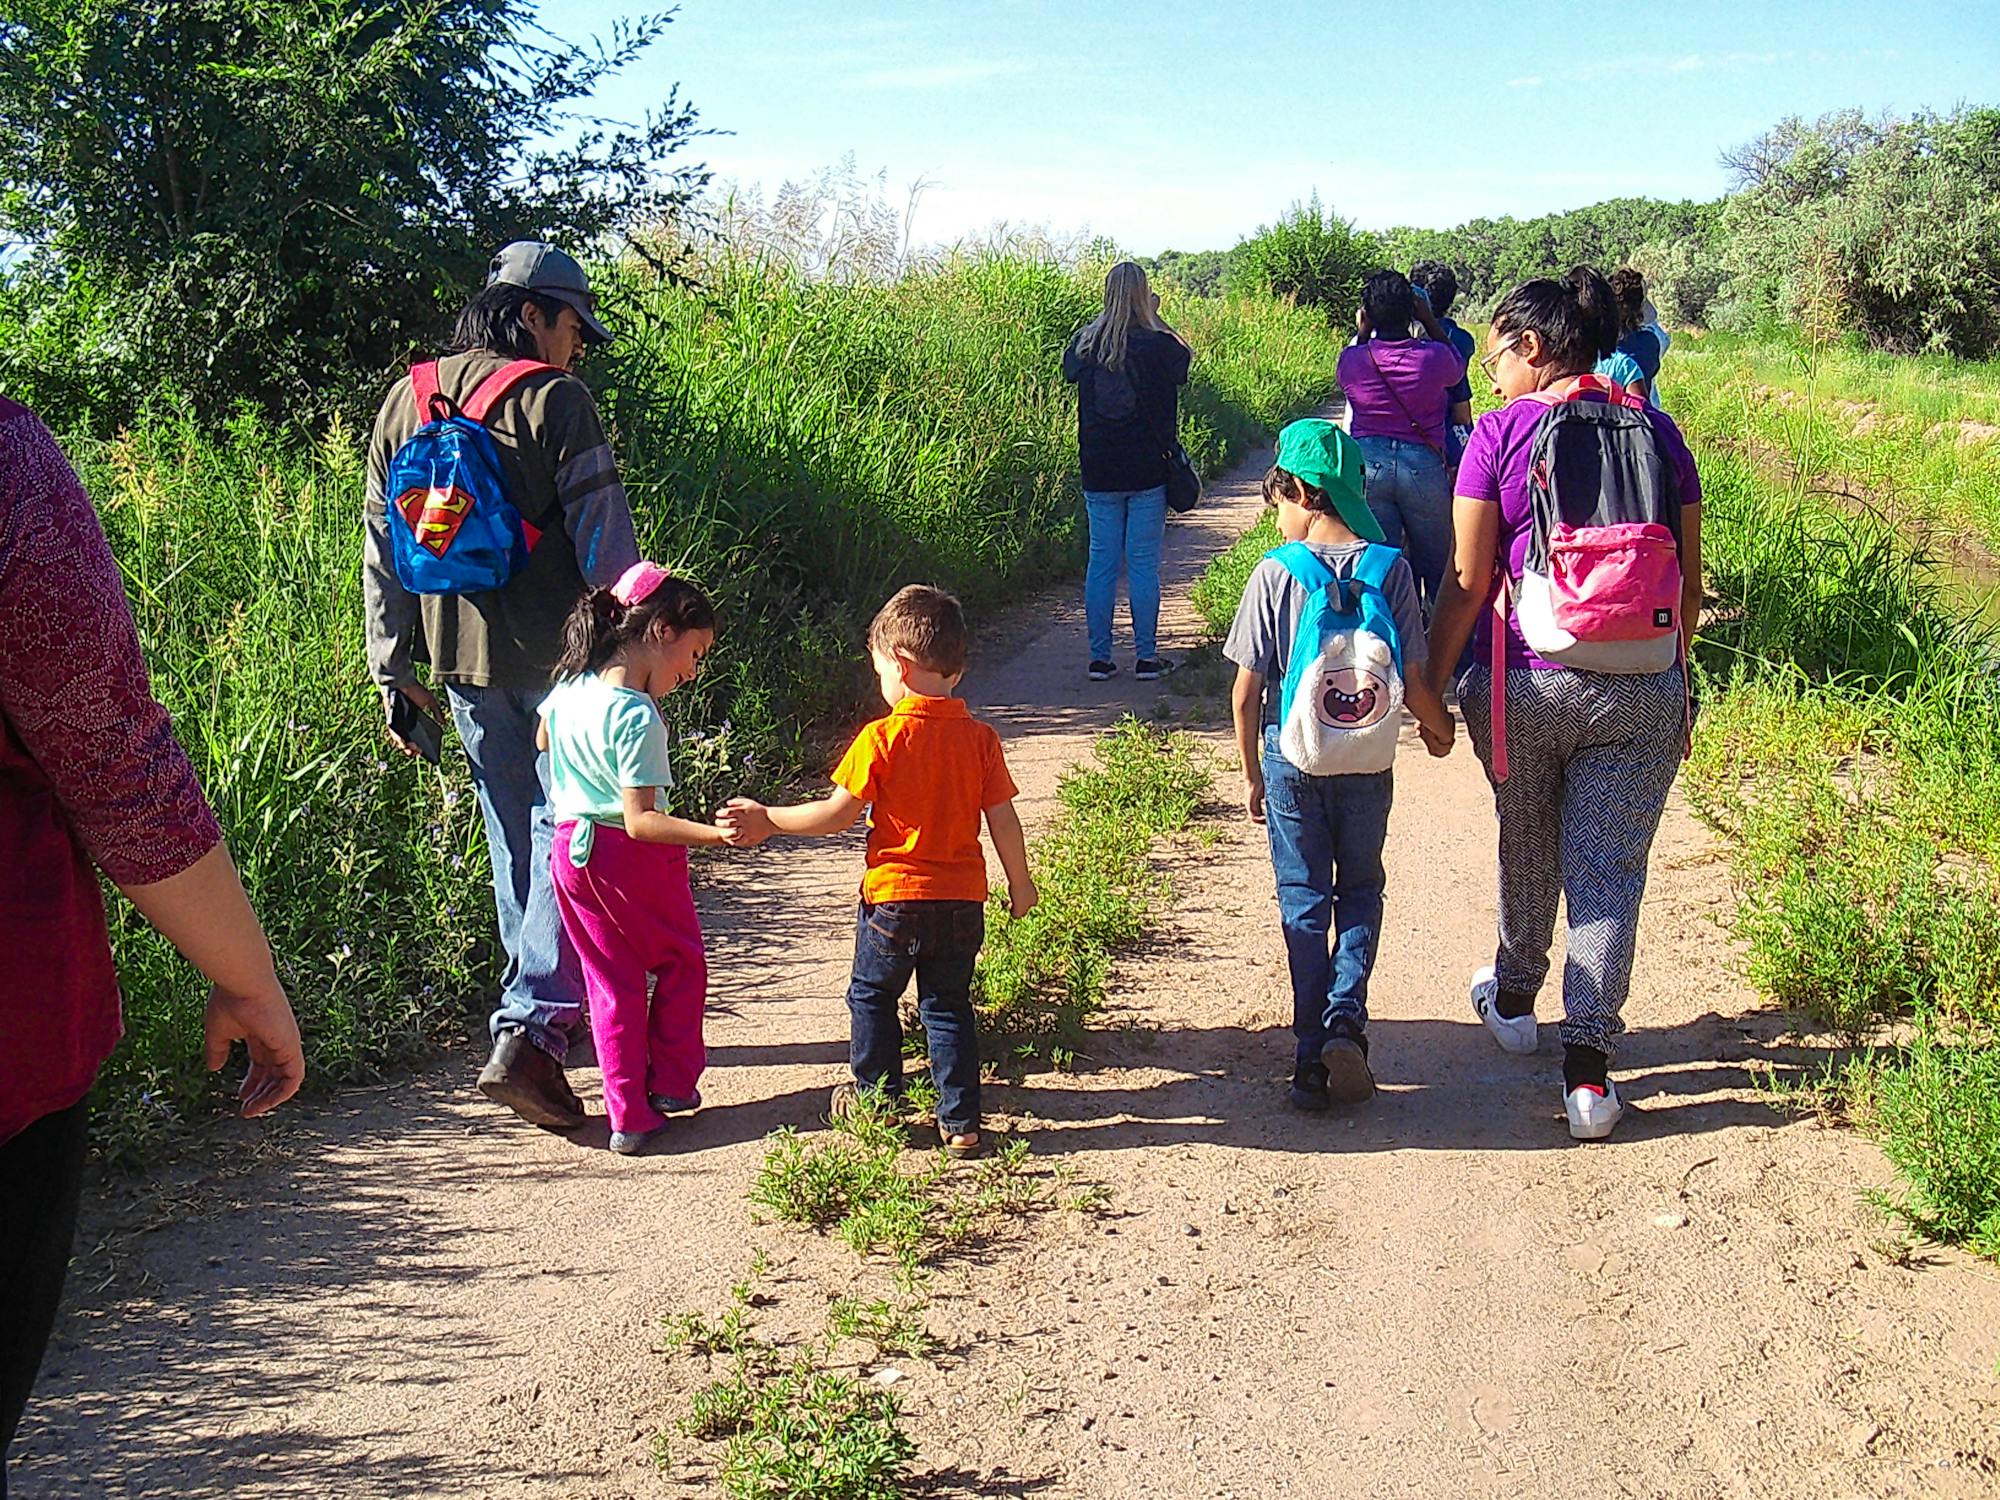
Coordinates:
[1304,564]
[1376,561]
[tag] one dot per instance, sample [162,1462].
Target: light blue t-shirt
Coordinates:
[602,739]
[1621,367]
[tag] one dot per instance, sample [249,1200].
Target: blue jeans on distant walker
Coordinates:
[1326,853]
[1407,490]
[541,990]
[1125,525]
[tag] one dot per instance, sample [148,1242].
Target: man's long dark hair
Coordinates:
[492,321]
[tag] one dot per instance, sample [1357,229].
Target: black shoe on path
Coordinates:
[531,1083]
[1308,1090]
[1152,669]
[1101,671]
[1348,1080]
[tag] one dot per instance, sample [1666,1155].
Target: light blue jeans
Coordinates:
[541,991]
[1410,495]
[1125,526]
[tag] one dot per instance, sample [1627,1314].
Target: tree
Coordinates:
[1310,254]
[278,201]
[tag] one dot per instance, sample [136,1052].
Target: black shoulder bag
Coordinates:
[1183,479]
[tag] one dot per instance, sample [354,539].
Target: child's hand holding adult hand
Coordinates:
[1022,898]
[1438,741]
[744,823]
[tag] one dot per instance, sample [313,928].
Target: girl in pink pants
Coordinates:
[621,865]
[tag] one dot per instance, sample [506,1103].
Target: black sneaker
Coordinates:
[1152,669]
[1101,671]
[1308,1090]
[1344,1061]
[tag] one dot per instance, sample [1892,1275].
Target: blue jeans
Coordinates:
[1326,852]
[541,991]
[1409,494]
[938,941]
[1127,526]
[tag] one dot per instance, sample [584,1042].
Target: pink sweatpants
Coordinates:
[629,913]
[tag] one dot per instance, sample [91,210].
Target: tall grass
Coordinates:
[801,448]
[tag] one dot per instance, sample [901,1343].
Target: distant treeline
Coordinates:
[1886,230]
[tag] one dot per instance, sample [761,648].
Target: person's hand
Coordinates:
[1438,741]
[423,698]
[1022,899]
[744,823]
[263,1021]
[1253,785]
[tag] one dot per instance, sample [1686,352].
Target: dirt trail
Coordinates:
[1437,1295]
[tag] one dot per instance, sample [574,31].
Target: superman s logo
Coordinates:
[434,514]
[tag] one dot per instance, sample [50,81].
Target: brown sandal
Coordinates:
[960,1145]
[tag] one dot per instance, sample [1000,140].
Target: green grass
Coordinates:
[800,448]
[1042,978]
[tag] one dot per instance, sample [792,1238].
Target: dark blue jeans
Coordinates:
[1326,852]
[938,941]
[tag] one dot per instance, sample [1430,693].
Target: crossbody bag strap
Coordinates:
[1497,666]
[1396,396]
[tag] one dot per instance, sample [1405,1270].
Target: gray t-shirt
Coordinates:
[1260,638]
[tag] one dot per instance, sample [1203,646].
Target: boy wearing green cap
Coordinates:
[1326,831]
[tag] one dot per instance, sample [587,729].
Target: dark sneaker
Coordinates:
[1348,1080]
[531,1083]
[1152,669]
[673,1104]
[632,1142]
[1101,671]
[1308,1090]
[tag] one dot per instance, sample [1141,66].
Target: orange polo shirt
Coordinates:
[929,769]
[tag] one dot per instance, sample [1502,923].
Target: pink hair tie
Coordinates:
[637,583]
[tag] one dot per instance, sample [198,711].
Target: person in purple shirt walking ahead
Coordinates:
[1397,390]
[1591,754]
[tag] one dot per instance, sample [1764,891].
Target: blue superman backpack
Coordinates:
[453,528]
[1340,711]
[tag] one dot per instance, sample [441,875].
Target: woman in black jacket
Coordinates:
[1128,366]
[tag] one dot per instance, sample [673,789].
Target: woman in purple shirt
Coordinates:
[1396,388]
[1592,754]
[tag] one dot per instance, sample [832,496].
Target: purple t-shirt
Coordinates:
[1495,469]
[1396,388]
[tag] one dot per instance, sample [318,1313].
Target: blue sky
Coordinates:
[1173,123]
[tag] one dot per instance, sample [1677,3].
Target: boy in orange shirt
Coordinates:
[929,769]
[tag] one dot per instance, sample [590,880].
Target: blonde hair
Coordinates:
[1127,305]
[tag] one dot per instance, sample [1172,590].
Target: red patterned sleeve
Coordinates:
[73,686]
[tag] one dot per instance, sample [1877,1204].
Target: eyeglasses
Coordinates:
[1492,359]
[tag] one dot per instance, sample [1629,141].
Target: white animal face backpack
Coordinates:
[1341,708]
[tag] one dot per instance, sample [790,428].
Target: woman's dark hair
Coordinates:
[1385,297]
[1576,318]
[1279,485]
[600,627]
[1629,288]
[492,321]
[1439,283]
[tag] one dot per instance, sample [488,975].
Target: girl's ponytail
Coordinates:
[599,627]
[1597,307]
[590,634]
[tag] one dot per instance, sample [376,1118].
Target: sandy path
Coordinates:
[408,1294]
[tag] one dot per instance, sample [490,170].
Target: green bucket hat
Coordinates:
[1328,459]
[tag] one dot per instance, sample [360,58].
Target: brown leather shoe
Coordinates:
[531,1083]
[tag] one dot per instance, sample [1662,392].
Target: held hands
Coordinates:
[744,823]
[1438,741]
[265,1022]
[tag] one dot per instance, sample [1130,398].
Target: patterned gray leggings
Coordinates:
[1592,755]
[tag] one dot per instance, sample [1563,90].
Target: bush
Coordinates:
[1309,254]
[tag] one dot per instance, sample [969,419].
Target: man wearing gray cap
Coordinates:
[492,651]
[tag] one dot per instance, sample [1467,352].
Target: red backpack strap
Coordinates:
[496,385]
[423,387]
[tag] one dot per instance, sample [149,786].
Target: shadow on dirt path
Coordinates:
[409,1294]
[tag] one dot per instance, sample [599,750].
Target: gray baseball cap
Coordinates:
[541,267]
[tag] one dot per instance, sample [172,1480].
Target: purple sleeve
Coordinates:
[1478,466]
[1677,451]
